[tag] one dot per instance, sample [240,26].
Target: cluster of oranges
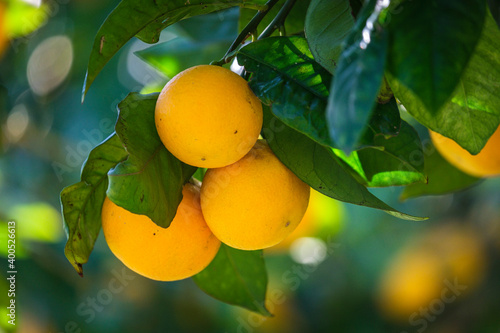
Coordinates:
[208,117]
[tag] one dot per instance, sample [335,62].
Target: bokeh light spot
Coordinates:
[17,123]
[49,64]
[308,251]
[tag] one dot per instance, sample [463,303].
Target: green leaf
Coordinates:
[145,18]
[384,121]
[81,203]
[319,167]
[357,81]
[431,42]
[236,277]
[151,33]
[392,162]
[327,25]
[202,39]
[443,178]
[472,115]
[285,75]
[149,182]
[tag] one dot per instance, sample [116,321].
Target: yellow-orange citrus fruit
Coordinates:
[183,249]
[412,281]
[323,218]
[484,164]
[254,203]
[208,117]
[3,33]
[422,273]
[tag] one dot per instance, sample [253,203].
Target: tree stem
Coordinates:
[278,20]
[249,29]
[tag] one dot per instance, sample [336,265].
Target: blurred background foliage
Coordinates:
[363,271]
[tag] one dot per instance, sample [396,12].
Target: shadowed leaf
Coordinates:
[150,180]
[146,19]
[236,277]
[81,203]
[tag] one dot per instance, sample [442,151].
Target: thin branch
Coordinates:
[248,30]
[279,20]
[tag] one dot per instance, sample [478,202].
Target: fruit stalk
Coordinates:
[278,20]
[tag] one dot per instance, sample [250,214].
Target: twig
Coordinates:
[278,20]
[249,29]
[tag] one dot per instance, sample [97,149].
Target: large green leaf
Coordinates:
[201,40]
[357,80]
[236,277]
[150,180]
[473,112]
[328,22]
[151,33]
[394,161]
[285,74]
[81,203]
[389,152]
[443,178]
[431,42]
[145,18]
[384,121]
[319,167]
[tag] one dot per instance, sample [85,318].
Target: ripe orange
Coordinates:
[208,117]
[323,218]
[484,164]
[254,203]
[182,250]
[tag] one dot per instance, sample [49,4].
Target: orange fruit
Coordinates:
[323,218]
[180,251]
[254,203]
[208,117]
[412,281]
[421,274]
[484,164]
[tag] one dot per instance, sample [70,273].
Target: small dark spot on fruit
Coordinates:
[235,131]
[79,235]
[203,158]
[287,223]
[142,197]
[154,233]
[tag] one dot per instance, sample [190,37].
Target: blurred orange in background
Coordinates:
[439,266]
